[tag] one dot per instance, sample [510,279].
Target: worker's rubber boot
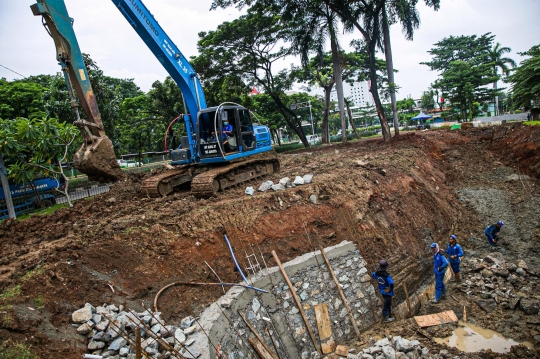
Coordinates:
[389,319]
[458,279]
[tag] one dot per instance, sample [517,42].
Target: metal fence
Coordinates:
[83,192]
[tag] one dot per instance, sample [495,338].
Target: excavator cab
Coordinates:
[224,130]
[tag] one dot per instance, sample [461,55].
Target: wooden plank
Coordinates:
[329,346]
[298,304]
[407,298]
[342,350]
[323,321]
[258,336]
[338,286]
[259,348]
[436,319]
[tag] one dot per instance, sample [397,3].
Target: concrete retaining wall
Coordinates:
[277,312]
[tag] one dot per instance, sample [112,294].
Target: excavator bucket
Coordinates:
[96,156]
[97,160]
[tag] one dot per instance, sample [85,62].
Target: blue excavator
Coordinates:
[222,146]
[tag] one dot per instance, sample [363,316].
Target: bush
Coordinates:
[18,351]
[288,147]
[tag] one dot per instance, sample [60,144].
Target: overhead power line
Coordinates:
[13,71]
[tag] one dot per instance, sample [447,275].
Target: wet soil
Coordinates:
[391,199]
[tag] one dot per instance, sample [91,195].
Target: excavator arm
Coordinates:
[95,157]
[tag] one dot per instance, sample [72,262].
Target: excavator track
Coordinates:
[206,181]
[219,178]
[164,183]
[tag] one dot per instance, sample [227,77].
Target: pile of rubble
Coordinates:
[398,348]
[111,332]
[283,184]
[494,282]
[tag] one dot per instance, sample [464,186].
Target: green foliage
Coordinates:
[288,147]
[39,301]
[33,146]
[525,81]
[466,70]
[17,351]
[9,294]
[21,99]
[427,102]
[532,123]
[32,273]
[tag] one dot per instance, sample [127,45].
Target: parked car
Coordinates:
[313,139]
[128,163]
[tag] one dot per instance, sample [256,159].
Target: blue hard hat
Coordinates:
[433,245]
[500,223]
[453,236]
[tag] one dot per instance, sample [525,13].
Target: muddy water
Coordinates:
[471,338]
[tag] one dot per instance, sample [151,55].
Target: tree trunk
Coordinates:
[5,187]
[339,84]
[390,69]
[496,100]
[349,112]
[325,132]
[375,92]
[293,124]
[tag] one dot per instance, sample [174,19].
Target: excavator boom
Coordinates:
[95,157]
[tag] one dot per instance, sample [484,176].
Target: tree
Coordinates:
[496,56]
[466,70]
[404,12]
[525,82]
[21,98]
[427,103]
[314,24]
[248,47]
[35,146]
[319,71]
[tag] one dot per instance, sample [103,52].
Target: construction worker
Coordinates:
[454,252]
[439,267]
[386,288]
[492,232]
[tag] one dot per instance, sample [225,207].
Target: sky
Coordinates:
[102,32]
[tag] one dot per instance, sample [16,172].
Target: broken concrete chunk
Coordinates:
[265,186]
[84,329]
[93,345]
[249,191]
[117,343]
[278,187]
[529,306]
[285,181]
[298,180]
[82,315]
[190,330]
[308,178]
[521,264]
[187,321]
[404,345]
[313,199]
[179,335]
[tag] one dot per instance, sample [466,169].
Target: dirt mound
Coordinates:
[391,199]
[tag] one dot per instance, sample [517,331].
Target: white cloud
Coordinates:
[104,33]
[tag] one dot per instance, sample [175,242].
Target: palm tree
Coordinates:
[404,12]
[499,62]
[315,24]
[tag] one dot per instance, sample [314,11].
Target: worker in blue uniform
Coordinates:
[492,232]
[454,252]
[439,267]
[226,129]
[386,288]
